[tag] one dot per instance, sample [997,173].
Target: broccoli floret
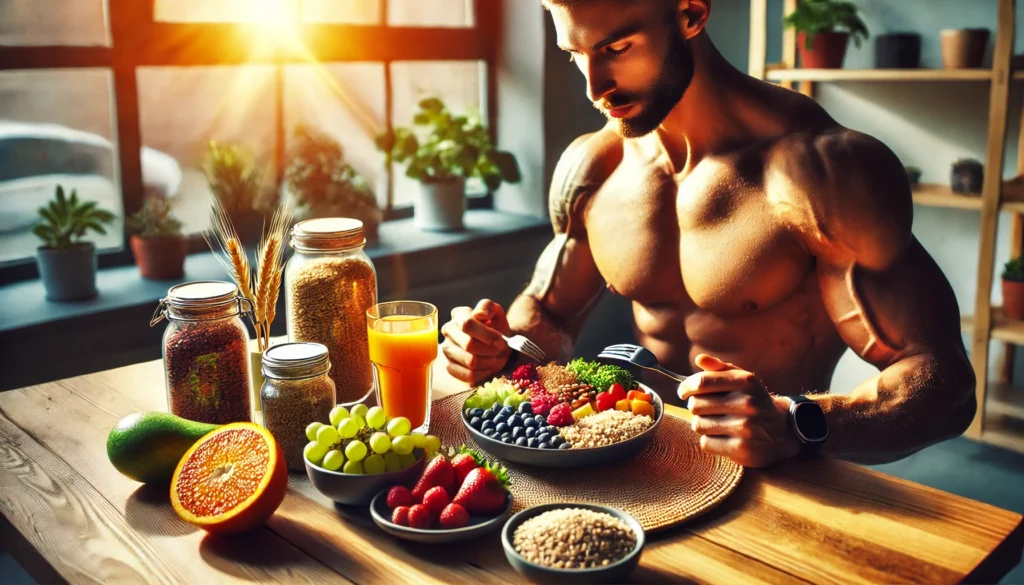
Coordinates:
[601,377]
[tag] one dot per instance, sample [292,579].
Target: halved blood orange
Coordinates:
[231,480]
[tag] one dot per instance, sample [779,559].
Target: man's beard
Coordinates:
[675,76]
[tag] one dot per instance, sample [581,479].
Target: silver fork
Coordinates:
[638,356]
[526,347]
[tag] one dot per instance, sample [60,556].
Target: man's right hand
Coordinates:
[473,343]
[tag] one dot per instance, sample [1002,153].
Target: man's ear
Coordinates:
[693,16]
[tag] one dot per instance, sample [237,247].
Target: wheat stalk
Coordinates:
[268,273]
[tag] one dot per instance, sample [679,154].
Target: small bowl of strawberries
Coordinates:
[454,499]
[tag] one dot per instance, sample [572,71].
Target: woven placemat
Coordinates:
[671,481]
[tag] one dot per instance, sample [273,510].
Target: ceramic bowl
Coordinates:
[617,572]
[359,490]
[567,458]
[478,525]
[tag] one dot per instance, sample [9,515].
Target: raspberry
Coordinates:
[561,415]
[525,372]
[541,402]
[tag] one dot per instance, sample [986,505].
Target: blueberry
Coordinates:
[551,430]
[507,440]
[506,436]
[477,412]
[544,437]
[530,423]
[515,421]
[521,441]
[508,411]
[556,441]
[496,406]
[475,422]
[540,419]
[502,428]
[532,443]
[488,414]
[526,408]
[489,433]
[530,432]
[565,446]
[500,419]
[544,446]
[518,432]
[487,426]
[468,413]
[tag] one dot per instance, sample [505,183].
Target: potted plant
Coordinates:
[824,28]
[157,242]
[441,153]
[67,265]
[967,176]
[1013,289]
[913,175]
[236,180]
[322,184]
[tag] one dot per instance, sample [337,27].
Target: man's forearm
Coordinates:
[911,404]
[527,316]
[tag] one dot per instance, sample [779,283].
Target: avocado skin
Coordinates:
[147,446]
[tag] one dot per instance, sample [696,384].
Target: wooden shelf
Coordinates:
[1003,431]
[1005,400]
[881,75]
[943,196]
[1003,328]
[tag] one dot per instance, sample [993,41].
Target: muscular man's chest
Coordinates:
[710,239]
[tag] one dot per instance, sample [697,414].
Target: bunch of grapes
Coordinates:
[365,441]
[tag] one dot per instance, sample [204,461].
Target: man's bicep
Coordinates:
[566,281]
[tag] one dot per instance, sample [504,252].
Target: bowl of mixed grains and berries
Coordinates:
[579,414]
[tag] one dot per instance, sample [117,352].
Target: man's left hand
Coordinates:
[736,416]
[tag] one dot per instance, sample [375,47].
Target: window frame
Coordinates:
[136,39]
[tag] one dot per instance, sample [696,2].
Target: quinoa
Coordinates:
[605,428]
[554,376]
[574,538]
[290,405]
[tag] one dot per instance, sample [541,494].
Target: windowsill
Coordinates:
[23,305]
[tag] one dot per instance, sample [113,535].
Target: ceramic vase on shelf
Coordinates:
[967,177]
[827,50]
[68,274]
[963,48]
[440,205]
[898,51]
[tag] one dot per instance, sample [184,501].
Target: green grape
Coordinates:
[333,460]
[338,413]
[314,452]
[431,445]
[348,428]
[353,467]
[376,418]
[355,450]
[327,435]
[407,460]
[374,464]
[507,402]
[380,442]
[402,445]
[312,429]
[399,426]
[392,462]
[419,440]
[359,410]
[360,421]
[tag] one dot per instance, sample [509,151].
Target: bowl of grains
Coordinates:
[573,543]
[555,416]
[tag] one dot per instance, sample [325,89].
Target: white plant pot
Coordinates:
[440,206]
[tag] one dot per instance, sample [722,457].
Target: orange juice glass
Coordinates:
[403,346]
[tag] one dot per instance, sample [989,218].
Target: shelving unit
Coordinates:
[1000,417]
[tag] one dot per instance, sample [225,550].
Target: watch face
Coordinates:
[810,422]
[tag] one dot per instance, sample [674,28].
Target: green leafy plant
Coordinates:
[233,175]
[66,220]
[1014,270]
[444,146]
[815,16]
[154,219]
[323,182]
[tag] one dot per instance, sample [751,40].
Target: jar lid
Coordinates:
[332,233]
[201,294]
[296,360]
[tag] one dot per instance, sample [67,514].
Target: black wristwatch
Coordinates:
[808,422]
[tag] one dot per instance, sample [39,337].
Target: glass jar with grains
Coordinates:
[206,352]
[296,391]
[329,285]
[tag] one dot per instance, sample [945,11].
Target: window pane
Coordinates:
[55,129]
[444,13]
[341,11]
[224,10]
[53,22]
[346,101]
[183,109]
[460,84]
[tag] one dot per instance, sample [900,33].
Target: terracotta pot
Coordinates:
[1013,299]
[828,49]
[160,257]
[963,48]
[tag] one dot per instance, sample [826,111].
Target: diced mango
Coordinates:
[641,408]
[639,395]
[624,405]
[583,411]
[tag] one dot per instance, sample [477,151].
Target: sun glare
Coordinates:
[276,20]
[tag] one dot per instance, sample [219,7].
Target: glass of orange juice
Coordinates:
[403,346]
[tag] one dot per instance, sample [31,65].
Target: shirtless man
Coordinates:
[756,238]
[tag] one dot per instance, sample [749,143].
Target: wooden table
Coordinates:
[69,516]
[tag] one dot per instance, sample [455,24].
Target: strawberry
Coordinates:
[400,515]
[617,392]
[399,496]
[454,516]
[467,460]
[420,516]
[436,499]
[561,415]
[483,491]
[439,472]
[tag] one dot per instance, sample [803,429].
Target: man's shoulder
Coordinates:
[583,167]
